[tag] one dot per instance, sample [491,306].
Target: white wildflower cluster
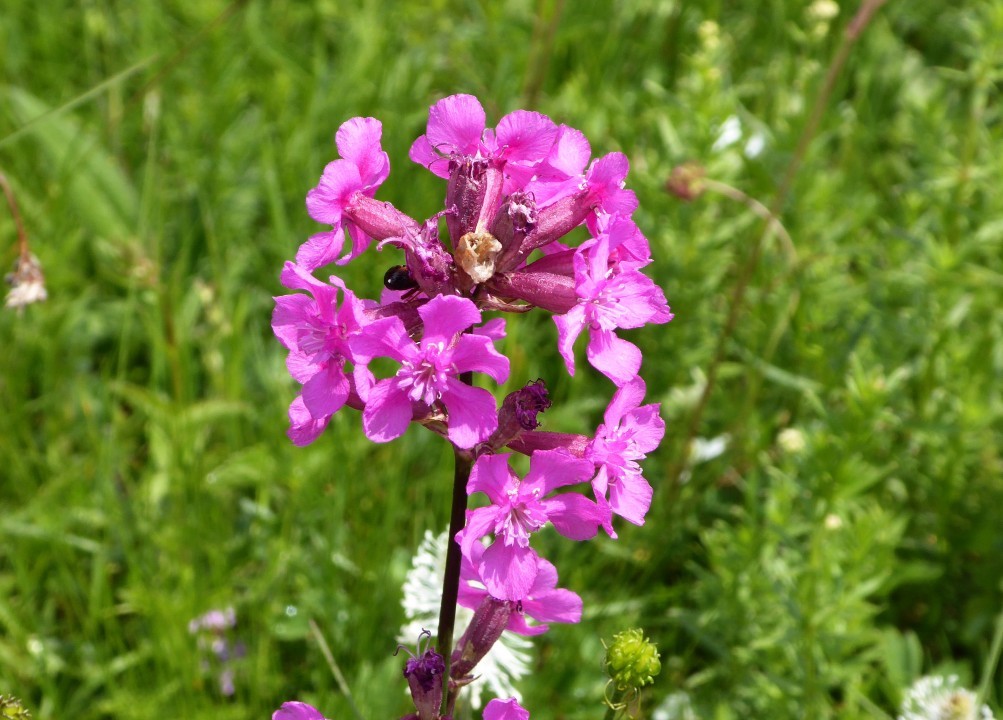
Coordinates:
[508,660]
[941,698]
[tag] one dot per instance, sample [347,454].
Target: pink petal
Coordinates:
[290,311]
[626,398]
[480,522]
[571,152]
[326,392]
[301,366]
[505,710]
[569,327]
[446,316]
[327,202]
[297,711]
[555,606]
[491,475]
[358,140]
[574,515]
[303,428]
[387,413]
[320,249]
[605,178]
[422,153]
[524,136]
[473,414]
[455,124]
[646,427]
[508,571]
[476,353]
[385,337]
[615,358]
[630,498]
[553,469]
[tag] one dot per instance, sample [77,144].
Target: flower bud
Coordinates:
[519,413]
[632,660]
[424,673]
[485,628]
[686,182]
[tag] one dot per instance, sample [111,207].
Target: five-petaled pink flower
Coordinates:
[629,431]
[608,300]
[518,508]
[544,601]
[429,371]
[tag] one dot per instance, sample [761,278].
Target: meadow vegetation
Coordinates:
[847,539]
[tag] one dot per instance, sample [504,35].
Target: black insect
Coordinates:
[398,278]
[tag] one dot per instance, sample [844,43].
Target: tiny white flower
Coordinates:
[728,134]
[508,660]
[791,440]
[941,698]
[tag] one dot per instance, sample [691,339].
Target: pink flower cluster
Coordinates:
[514,193]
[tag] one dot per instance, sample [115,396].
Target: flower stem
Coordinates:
[462,462]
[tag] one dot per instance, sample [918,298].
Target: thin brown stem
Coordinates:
[22,235]
[462,463]
[748,267]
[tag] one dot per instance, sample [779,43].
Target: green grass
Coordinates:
[160,153]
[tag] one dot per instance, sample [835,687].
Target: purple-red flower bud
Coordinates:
[549,291]
[424,675]
[379,219]
[519,413]
[487,625]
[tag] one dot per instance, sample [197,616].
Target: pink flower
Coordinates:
[428,372]
[505,710]
[608,300]
[295,710]
[629,431]
[316,332]
[456,132]
[544,601]
[509,567]
[344,197]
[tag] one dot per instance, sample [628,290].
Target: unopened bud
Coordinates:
[686,181]
[632,660]
[424,673]
[487,625]
[519,412]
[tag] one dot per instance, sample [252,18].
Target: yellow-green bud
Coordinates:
[632,660]
[11,709]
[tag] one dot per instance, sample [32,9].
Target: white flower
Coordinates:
[676,706]
[791,440]
[938,698]
[506,662]
[27,283]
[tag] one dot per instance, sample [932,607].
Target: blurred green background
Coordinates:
[848,539]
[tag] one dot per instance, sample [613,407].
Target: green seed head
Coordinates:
[632,660]
[11,709]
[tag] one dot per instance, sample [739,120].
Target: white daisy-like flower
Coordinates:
[507,661]
[941,698]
